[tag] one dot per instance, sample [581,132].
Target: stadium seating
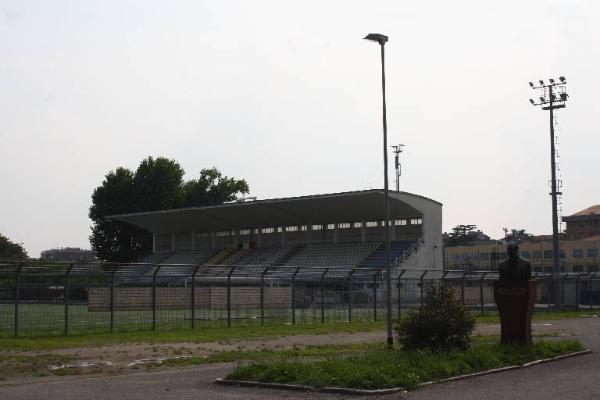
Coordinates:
[333,255]
[377,258]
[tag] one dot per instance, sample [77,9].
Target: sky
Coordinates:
[287,95]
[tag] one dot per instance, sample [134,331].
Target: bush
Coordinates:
[441,324]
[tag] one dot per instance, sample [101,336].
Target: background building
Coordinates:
[68,254]
[583,224]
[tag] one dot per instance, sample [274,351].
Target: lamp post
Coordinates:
[382,39]
[554,96]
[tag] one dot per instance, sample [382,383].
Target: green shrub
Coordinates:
[441,324]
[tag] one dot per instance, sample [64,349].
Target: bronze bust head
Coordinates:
[514,268]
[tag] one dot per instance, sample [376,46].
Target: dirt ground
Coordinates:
[121,355]
[133,351]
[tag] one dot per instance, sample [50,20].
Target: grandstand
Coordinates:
[329,230]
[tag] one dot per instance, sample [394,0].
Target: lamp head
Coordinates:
[376,37]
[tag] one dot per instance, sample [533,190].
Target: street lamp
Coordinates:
[382,39]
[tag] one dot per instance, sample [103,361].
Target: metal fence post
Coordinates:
[66,298]
[549,291]
[400,293]
[17,290]
[375,295]
[293,299]
[154,297]
[577,292]
[193,297]
[422,280]
[112,299]
[590,292]
[262,296]
[350,295]
[481,291]
[323,295]
[229,297]
[562,292]
[462,288]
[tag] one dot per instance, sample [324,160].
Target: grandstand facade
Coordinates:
[329,230]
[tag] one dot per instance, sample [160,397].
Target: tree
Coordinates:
[517,235]
[10,250]
[441,324]
[157,184]
[212,188]
[464,235]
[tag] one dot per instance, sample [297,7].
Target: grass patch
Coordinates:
[378,368]
[492,317]
[200,335]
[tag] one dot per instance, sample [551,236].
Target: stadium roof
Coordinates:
[316,209]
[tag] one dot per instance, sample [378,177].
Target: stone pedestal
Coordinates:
[515,301]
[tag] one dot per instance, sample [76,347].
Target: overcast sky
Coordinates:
[287,95]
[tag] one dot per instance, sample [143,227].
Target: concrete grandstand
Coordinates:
[328,230]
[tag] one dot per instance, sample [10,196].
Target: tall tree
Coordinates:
[10,250]
[464,235]
[157,184]
[517,235]
[213,188]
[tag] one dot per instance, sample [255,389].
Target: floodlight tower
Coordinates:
[399,148]
[554,96]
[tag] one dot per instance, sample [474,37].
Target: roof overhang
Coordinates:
[317,209]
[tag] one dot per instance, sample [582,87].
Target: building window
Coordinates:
[577,253]
[244,231]
[592,253]
[400,222]
[547,254]
[344,225]
[537,254]
[371,224]
[268,230]
[484,256]
[416,221]
[526,254]
[357,225]
[304,228]
[578,268]
[330,226]
[317,227]
[293,228]
[223,233]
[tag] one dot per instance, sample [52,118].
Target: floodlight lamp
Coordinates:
[564,96]
[541,82]
[551,81]
[542,99]
[562,79]
[376,37]
[531,84]
[532,102]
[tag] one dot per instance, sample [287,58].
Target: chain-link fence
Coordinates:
[38,299]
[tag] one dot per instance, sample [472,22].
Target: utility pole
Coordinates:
[554,96]
[397,150]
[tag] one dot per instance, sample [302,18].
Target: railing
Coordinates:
[38,298]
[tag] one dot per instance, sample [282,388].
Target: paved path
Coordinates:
[575,378]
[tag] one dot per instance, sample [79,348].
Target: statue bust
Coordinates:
[514,268]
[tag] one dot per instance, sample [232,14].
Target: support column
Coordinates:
[154,243]
[363,231]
